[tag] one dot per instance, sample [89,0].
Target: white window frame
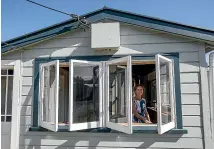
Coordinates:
[86,125]
[162,128]
[50,126]
[126,129]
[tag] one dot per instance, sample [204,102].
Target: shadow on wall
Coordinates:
[71,140]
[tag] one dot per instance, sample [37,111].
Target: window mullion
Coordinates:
[5,112]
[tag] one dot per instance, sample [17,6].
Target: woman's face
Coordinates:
[139,91]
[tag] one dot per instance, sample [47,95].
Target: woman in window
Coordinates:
[139,110]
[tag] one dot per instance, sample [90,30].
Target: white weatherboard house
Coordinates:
[70,85]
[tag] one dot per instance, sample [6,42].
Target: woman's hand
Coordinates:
[148,122]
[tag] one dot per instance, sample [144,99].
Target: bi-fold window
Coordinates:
[87,99]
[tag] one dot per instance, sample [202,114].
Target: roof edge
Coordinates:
[159,19]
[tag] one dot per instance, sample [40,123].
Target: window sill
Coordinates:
[107,130]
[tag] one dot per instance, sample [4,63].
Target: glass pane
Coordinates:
[9,95]
[3,93]
[85,93]
[49,94]
[2,118]
[4,72]
[8,118]
[165,92]
[51,101]
[117,94]
[10,71]
[45,94]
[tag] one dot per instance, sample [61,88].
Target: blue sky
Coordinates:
[20,17]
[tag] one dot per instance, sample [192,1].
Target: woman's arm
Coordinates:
[147,116]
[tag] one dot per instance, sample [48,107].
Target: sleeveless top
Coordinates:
[140,106]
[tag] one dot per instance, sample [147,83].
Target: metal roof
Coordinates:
[112,14]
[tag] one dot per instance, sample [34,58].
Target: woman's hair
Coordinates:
[138,85]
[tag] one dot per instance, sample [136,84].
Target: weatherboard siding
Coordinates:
[134,40]
[5,134]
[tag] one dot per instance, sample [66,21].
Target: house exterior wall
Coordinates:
[134,40]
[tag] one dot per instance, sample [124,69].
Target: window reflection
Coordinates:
[86,94]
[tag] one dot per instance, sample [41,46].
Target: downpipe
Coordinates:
[211,92]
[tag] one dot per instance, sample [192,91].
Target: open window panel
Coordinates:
[118,95]
[63,96]
[165,94]
[49,94]
[85,105]
[143,73]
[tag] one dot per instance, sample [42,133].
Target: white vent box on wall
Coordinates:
[105,36]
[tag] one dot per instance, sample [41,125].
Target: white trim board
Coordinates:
[205,99]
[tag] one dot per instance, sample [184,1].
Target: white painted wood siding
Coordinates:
[133,40]
[5,134]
